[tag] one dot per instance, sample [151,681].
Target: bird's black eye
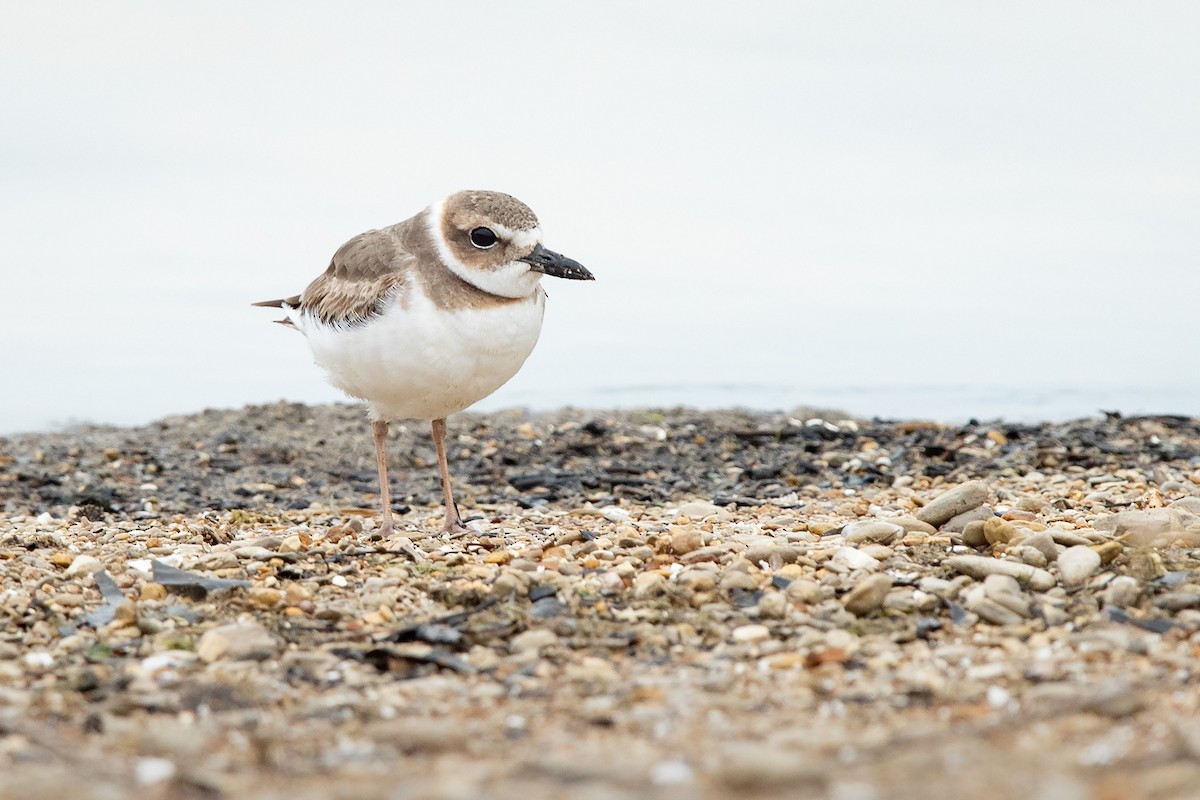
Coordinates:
[483,238]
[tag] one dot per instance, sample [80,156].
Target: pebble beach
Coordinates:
[664,603]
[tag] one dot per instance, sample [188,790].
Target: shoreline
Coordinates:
[659,603]
[943,403]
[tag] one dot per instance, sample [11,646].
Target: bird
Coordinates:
[426,317]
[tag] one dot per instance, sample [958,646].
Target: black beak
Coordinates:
[556,265]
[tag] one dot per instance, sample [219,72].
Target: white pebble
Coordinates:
[615,514]
[39,659]
[854,558]
[154,770]
[751,633]
[84,565]
[141,565]
[168,659]
[998,696]
[1077,564]
[666,773]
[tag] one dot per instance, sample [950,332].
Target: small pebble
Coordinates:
[1076,564]
[874,531]
[868,594]
[773,605]
[84,565]
[686,540]
[951,503]
[980,567]
[750,633]
[998,531]
[153,770]
[973,535]
[239,641]
[1122,591]
[855,559]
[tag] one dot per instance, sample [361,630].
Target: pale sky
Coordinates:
[783,203]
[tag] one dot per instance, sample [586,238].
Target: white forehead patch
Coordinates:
[526,240]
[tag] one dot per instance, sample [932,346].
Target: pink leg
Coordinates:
[452,524]
[380,429]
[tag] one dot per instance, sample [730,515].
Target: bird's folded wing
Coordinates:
[363,273]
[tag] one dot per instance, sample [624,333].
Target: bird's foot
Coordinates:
[397,542]
[454,527]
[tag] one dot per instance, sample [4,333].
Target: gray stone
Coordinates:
[972,534]
[960,521]
[913,525]
[533,641]
[755,767]
[993,612]
[1044,542]
[868,594]
[649,584]
[1054,699]
[240,641]
[268,542]
[1005,590]
[773,606]
[1177,601]
[951,503]
[736,579]
[1076,564]
[937,586]
[1053,615]
[785,553]
[1030,555]
[1069,538]
[1143,528]
[704,554]
[1123,591]
[1113,698]
[254,553]
[872,530]
[879,552]
[1188,731]
[804,590]
[979,567]
[1187,506]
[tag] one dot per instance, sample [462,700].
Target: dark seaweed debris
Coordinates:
[288,456]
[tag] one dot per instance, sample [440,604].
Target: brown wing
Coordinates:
[363,272]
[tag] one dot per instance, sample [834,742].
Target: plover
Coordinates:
[428,316]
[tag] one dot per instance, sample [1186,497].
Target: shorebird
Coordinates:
[428,316]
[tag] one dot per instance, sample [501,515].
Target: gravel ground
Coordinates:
[667,603]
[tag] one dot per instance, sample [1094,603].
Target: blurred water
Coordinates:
[939,403]
[938,211]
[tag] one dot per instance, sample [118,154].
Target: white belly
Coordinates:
[420,362]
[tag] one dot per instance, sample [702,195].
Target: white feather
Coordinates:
[422,362]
